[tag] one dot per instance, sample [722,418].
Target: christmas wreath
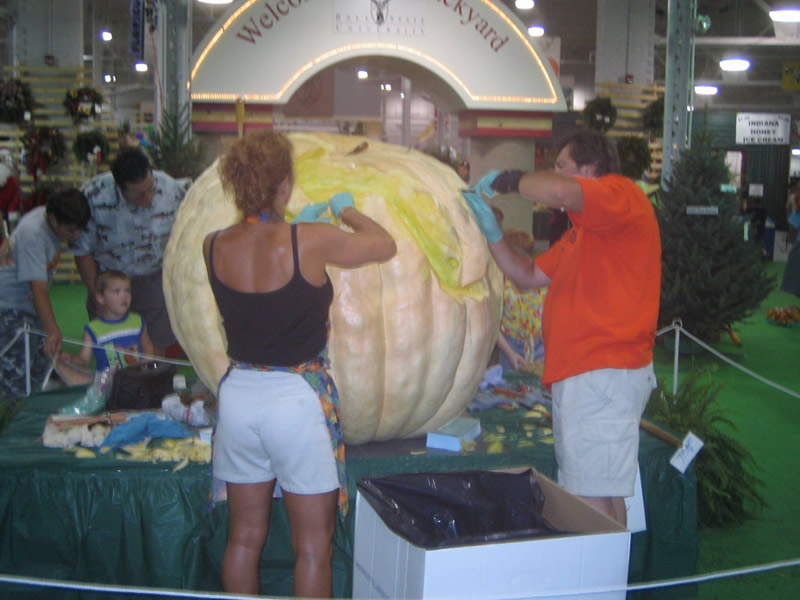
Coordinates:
[599,114]
[82,103]
[40,193]
[91,147]
[44,146]
[15,100]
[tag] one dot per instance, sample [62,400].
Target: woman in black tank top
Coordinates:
[269,279]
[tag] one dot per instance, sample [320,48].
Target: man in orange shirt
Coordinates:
[600,314]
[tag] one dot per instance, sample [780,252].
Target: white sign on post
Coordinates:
[763,128]
[684,455]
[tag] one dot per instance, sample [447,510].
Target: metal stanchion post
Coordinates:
[27,333]
[676,324]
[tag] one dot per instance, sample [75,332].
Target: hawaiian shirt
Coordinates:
[129,238]
[522,315]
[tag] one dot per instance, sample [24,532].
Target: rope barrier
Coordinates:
[578,592]
[27,330]
[676,326]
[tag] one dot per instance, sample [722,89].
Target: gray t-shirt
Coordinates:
[35,253]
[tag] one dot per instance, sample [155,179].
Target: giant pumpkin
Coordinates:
[410,338]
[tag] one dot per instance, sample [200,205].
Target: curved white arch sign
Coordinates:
[264,50]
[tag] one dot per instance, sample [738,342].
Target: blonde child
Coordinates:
[115,333]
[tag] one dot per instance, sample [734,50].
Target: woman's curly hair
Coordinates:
[253,168]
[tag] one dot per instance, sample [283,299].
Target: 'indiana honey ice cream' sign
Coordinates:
[763,129]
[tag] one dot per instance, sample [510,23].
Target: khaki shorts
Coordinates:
[270,426]
[596,428]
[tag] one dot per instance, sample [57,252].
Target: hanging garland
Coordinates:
[44,146]
[82,103]
[16,99]
[91,147]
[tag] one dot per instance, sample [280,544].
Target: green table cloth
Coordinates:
[109,521]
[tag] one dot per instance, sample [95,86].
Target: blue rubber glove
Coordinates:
[484,185]
[310,213]
[484,216]
[339,201]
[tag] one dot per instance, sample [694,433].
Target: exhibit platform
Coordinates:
[105,520]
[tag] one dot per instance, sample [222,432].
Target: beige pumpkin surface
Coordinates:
[410,338]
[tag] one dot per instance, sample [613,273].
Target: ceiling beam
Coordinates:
[737,41]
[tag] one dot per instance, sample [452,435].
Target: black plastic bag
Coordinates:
[141,386]
[459,508]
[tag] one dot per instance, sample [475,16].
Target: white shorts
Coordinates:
[596,428]
[270,425]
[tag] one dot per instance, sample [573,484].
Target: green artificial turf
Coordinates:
[767,422]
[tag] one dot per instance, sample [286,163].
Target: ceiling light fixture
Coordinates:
[363,74]
[785,15]
[106,36]
[706,90]
[795,151]
[215,1]
[141,67]
[536,31]
[524,4]
[734,64]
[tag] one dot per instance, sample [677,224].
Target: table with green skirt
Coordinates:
[105,520]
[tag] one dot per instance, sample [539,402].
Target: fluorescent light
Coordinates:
[106,36]
[795,151]
[386,87]
[785,15]
[362,74]
[141,67]
[706,90]
[734,64]
[108,78]
[215,1]
[524,4]
[536,31]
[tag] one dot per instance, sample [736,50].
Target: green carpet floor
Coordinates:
[767,422]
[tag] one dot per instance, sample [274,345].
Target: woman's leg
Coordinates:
[313,520]
[248,525]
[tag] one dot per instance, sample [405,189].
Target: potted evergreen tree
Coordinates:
[711,277]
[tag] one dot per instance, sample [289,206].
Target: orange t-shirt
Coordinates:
[601,308]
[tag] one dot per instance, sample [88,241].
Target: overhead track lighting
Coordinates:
[734,64]
[785,12]
[706,90]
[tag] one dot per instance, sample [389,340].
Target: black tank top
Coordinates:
[285,327]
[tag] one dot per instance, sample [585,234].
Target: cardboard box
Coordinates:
[386,565]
